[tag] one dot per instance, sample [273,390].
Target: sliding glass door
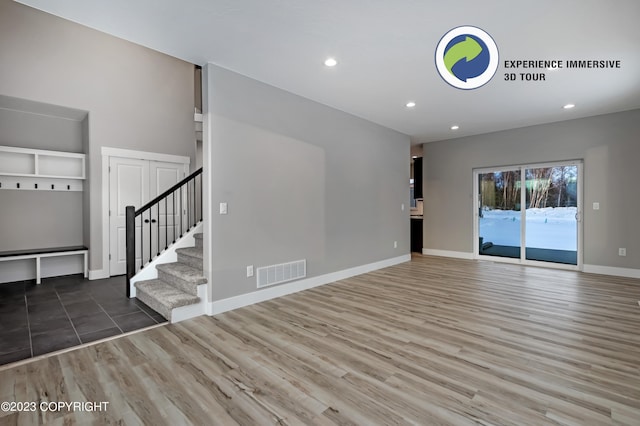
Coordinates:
[499,215]
[529,213]
[552,214]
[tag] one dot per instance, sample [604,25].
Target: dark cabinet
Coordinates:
[416,235]
[417,178]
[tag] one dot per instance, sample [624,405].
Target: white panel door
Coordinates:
[128,186]
[163,176]
[134,182]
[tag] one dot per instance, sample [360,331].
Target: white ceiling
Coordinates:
[385,50]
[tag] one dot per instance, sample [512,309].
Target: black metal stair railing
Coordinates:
[154,227]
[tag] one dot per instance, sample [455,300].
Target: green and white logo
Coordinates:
[467,57]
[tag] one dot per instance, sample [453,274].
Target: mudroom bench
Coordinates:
[38,254]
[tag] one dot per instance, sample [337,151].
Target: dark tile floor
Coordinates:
[63,312]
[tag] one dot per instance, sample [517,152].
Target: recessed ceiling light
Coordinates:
[568,106]
[330,62]
[411,104]
[455,127]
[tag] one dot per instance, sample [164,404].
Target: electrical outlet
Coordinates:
[249,271]
[395,244]
[402,207]
[596,206]
[223,208]
[622,251]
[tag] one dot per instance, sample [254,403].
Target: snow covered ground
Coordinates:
[551,228]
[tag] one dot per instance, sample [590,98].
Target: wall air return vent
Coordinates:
[278,274]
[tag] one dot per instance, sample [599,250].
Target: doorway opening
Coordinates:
[529,214]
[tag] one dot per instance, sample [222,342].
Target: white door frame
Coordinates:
[523,242]
[107,153]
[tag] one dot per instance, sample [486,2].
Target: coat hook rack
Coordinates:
[41,170]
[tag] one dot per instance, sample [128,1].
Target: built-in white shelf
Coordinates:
[37,169]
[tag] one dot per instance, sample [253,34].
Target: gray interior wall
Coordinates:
[609,146]
[37,131]
[137,98]
[40,219]
[302,181]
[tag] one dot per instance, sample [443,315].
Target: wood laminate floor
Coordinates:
[432,341]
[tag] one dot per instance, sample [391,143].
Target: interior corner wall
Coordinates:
[137,98]
[302,181]
[86,199]
[609,146]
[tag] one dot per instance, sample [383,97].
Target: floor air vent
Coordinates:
[277,274]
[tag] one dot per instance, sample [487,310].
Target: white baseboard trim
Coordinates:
[208,307]
[448,253]
[224,305]
[98,274]
[611,270]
